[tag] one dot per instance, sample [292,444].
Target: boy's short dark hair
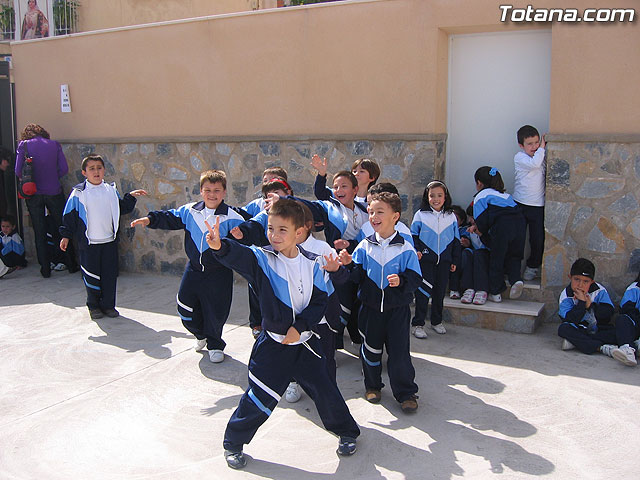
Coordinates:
[370,166]
[278,171]
[391,199]
[383,187]
[583,267]
[525,132]
[89,158]
[459,212]
[276,184]
[213,176]
[290,210]
[9,219]
[309,221]
[347,174]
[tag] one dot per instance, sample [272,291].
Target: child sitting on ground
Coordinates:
[12,255]
[204,297]
[586,311]
[500,224]
[628,325]
[387,272]
[293,299]
[92,215]
[437,240]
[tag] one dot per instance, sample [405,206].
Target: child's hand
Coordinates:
[452,268]
[332,263]
[394,280]
[419,255]
[292,336]
[345,257]
[465,242]
[270,200]
[543,141]
[319,165]
[64,243]
[341,244]
[473,229]
[137,193]
[144,221]
[213,237]
[237,233]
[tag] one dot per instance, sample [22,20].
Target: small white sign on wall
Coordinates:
[65,100]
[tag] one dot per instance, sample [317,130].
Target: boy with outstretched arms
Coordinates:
[92,215]
[387,270]
[293,298]
[204,297]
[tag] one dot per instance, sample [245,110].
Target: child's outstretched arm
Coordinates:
[128,202]
[320,189]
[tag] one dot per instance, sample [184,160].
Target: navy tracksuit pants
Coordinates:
[473,272]
[349,303]
[435,277]
[204,302]
[99,264]
[624,331]
[389,329]
[507,249]
[255,315]
[271,367]
[534,218]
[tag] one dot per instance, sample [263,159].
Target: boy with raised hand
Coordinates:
[92,215]
[586,310]
[387,270]
[529,192]
[293,299]
[204,297]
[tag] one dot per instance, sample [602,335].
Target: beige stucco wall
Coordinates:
[361,67]
[101,14]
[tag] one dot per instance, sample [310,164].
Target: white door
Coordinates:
[498,82]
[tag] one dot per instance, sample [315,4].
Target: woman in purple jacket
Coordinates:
[49,165]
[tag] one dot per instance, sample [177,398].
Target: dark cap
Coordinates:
[584,267]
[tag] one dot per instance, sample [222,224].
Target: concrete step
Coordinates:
[510,315]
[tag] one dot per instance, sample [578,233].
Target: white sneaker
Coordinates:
[200,345]
[625,354]
[293,394]
[607,350]
[439,329]
[454,294]
[566,345]
[216,356]
[467,297]
[516,290]
[61,267]
[530,273]
[495,298]
[418,331]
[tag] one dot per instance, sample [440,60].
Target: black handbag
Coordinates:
[27,187]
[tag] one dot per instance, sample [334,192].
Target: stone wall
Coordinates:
[170,170]
[592,210]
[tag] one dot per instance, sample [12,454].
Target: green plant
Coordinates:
[65,16]
[7,21]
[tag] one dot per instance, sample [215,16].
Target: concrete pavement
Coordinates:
[130,398]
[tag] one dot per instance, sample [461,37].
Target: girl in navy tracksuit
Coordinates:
[437,239]
[293,299]
[501,226]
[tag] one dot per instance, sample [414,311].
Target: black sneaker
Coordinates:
[45,272]
[111,312]
[346,446]
[95,313]
[235,460]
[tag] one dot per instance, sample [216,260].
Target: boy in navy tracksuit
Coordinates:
[342,218]
[204,297]
[628,325]
[92,214]
[387,270]
[293,299]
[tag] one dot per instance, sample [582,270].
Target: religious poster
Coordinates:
[34,19]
